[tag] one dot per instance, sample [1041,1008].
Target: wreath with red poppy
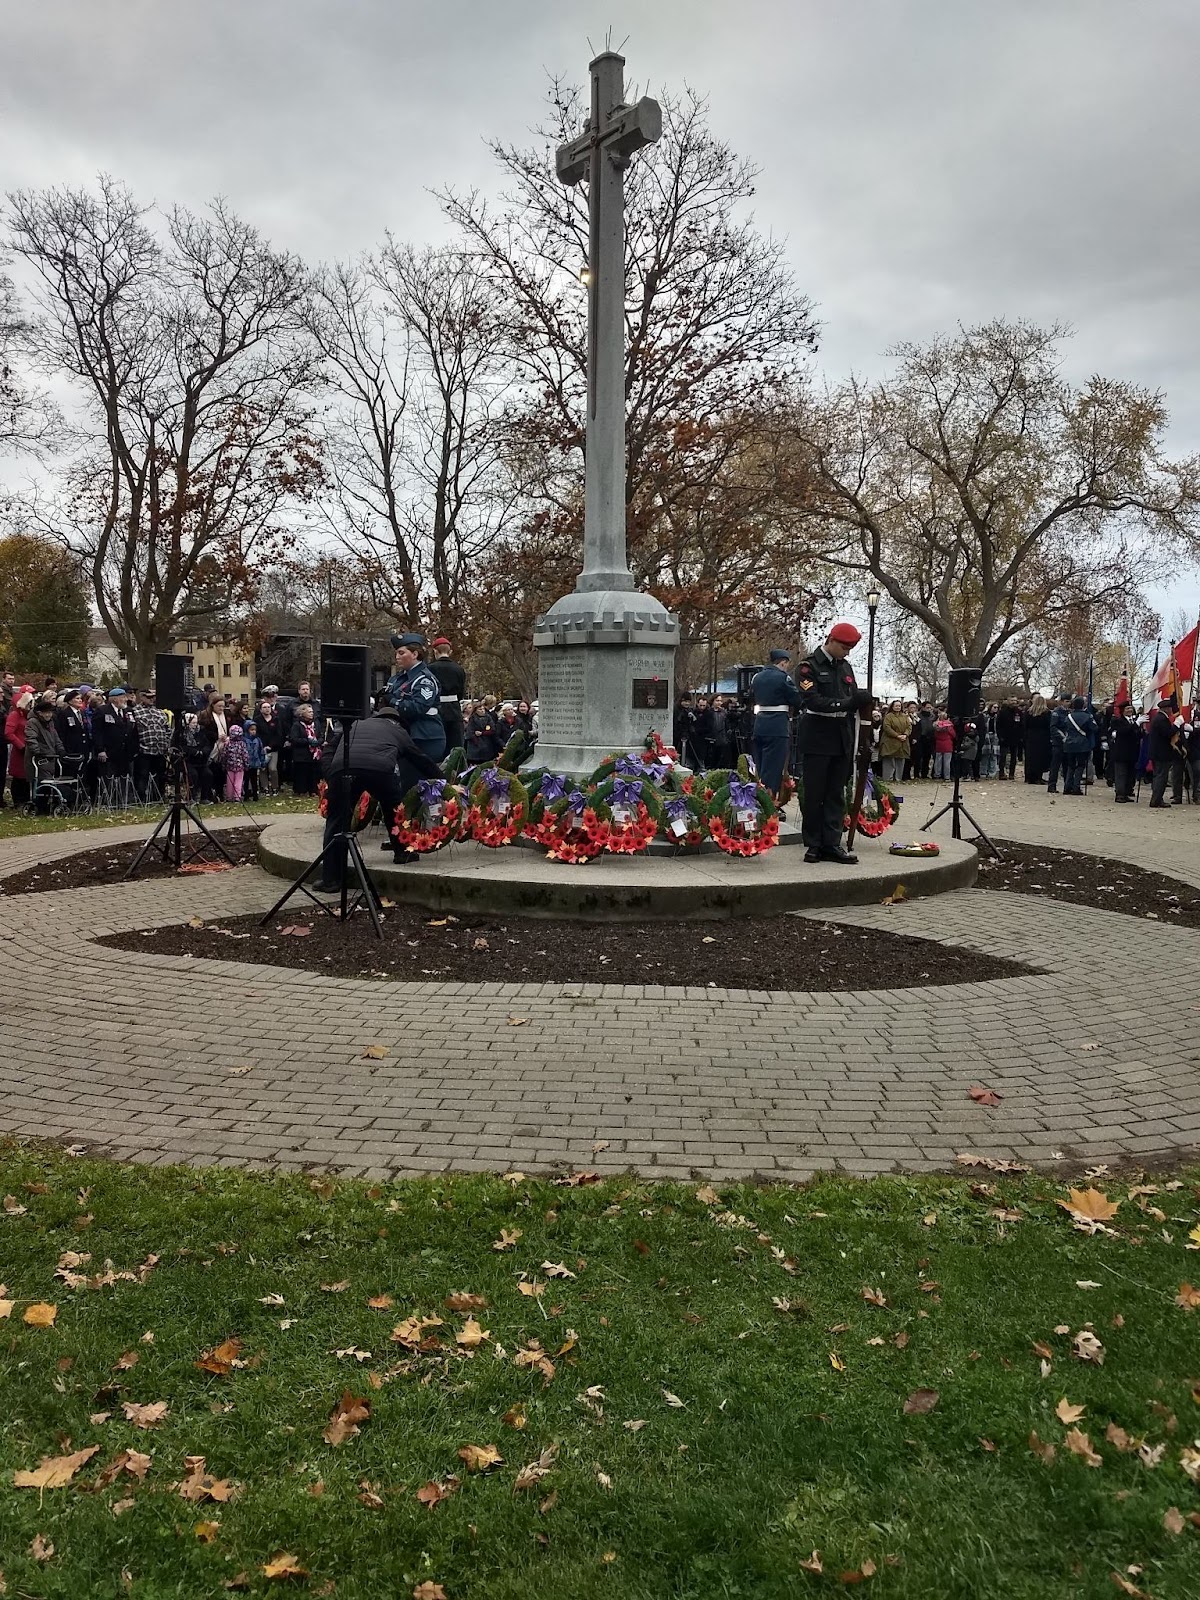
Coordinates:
[425,822]
[630,809]
[571,830]
[361,811]
[728,826]
[499,806]
[878,810]
[684,823]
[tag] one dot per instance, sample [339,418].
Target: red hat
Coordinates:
[440,640]
[845,633]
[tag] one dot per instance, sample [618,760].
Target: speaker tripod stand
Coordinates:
[957,809]
[343,848]
[168,835]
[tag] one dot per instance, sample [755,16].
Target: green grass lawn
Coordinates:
[19,824]
[704,1378]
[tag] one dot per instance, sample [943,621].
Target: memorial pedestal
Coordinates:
[606,662]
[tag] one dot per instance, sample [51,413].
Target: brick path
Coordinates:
[140,1055]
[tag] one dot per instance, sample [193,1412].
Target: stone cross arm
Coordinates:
[627,128]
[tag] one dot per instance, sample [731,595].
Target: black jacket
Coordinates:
[1009,724]
[829,698]
[1124,739]
[115,733]
[72,730]
[377,745]
[1161,731]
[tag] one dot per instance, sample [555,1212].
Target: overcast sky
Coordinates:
[927,161]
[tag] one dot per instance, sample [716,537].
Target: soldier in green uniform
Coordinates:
[829,701]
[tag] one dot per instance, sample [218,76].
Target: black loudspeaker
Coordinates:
[172,681]
[745,677]
[965,691]
[346,680]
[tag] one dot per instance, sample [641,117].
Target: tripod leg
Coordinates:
[300,886]
[937,816]
[979,832]
[369,893]
[198,823]
[163,822]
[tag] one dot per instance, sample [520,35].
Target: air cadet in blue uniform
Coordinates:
[774,695]
[829,702]
[416,695]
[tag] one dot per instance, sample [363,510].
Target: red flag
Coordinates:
[1122,697]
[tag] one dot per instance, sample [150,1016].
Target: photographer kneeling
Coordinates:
[383,762]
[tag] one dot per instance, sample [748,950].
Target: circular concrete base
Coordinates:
[471,878]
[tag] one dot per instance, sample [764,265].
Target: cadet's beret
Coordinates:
[845,633]
[780,655]
[410,641]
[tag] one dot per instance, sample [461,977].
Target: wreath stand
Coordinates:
[365,892]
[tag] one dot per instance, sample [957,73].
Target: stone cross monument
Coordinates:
[606,652]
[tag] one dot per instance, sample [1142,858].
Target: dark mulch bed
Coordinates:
[755,953]
[1090,881]
[110,863]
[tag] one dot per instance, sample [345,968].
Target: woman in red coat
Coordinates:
[14,733]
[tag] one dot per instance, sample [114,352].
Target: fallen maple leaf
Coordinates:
[921,1401]
[534,1288]
[41,1549]
[1066,1412]
[531,1475]
[1080,1445]
[873,1297]
[1173,1520]
[13,1206]
[429,1591]
[471,1335]
[813,1564]
[1043,1450]
[220,1360]
[200,1485]
[1089,1207]
[480,1457]
[508,1238]
[982,1096]
[672,1399]
[465,1302]
[345,1418]
[206,1532]
[335,1288]
[284,1565]
[133,1462]
[555,1269]
[1088,1348]
[40,1315]
[518,1022]
[707,1195]
[54,1472]
[1188,1297]
[120,1507]
[432,1494]
[374,1052]
[271,1300]
[148,1416]
[515,1417]
[1123,1583]
[860,1575]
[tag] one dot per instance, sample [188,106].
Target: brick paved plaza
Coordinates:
[145,1057]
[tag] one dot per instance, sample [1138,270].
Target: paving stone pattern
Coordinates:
[139,1055]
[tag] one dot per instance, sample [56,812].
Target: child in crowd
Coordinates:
[235,762]
[256,759]
[943,746]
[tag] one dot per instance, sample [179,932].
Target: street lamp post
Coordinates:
[872,607]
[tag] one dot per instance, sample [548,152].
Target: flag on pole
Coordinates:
[1122,696]
[1177,674]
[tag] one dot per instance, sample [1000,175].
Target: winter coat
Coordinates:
[256,755]
[377,744]
[235,750]
[43,748]
[303,743]
[1124,739]
[943,736]
[1078,732]
[14,733]
[896,732]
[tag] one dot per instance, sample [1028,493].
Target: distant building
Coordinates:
[225,663]
[105,663]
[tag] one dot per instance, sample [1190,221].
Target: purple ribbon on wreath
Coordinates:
[431,790]
[576,801]
[496,782]
[554,786]
[677,809]
[656,772]
[743,796]
[631,766]
[627,792]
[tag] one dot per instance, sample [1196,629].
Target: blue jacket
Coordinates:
[256,755]
[416,696]
[1078,731]
[773,687]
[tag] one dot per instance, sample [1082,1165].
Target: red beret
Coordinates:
[441,640]
[845,633]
